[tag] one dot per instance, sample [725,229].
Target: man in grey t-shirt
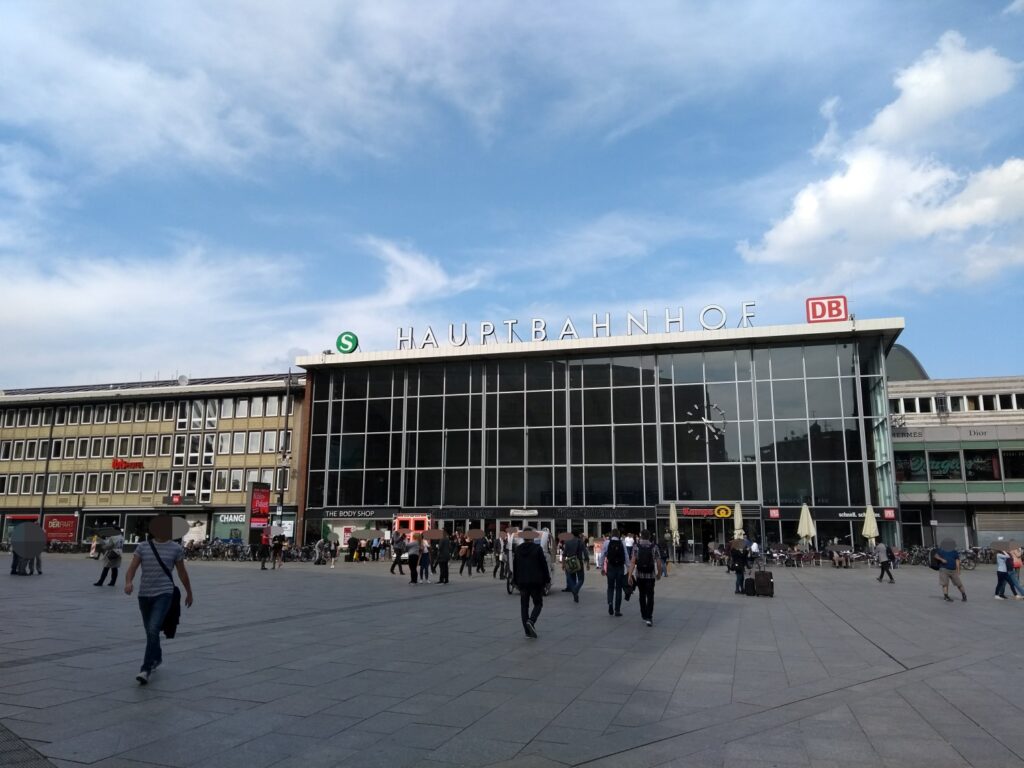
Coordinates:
[156,587]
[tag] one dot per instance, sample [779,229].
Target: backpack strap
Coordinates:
[157,556]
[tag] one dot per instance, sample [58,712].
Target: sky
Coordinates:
[214,189]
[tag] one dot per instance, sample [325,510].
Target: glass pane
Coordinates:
[910,466]
[431,381]
[538,374]
[720,366]
[791,440]
[539,489]
[795,484]
[510,377]
[539,446]
[723,396]
[538,409]
[820,360]
[456,412]
[431,412]
[626,372]
[944,465]
[355,383]
[628,445]
[378,451]
[510,487]
[981,464]
[827,440]
[380,382]
[456,449]
[788,399]
[598,485]
[689,403]
[378,416]
[354,416]
[691,443]
[626,405]
[597,406]
[830,485]
[598,445]
[823,398]
[510,447]
[457,378]
[787,363]
[688,368]
[693,483]
[629,486]
[510,410]
[725,483]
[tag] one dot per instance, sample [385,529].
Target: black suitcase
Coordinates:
[764,584]
[748,587]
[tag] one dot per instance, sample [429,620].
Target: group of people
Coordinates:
[26,566]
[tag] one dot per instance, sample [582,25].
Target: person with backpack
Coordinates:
[574,562]
[644,570]
[613,558]
[532,576]
[884,555]
[946,560]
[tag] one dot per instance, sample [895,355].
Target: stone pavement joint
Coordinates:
[316,667]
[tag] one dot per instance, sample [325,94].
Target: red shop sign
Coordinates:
[60,527]
[888,514]
[773,513]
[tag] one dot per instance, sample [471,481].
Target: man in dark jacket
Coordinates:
[444,554]
[574,561]
[738,561]
[531,573]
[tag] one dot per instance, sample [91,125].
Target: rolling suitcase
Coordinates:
[764,584]
[748,587]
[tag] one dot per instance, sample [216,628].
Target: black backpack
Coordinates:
[616,552]
[889,554]
[933,561]
[644,559]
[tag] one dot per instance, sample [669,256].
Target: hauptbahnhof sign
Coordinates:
[712,317]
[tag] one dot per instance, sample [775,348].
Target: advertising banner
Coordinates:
[60,527]
[259,505]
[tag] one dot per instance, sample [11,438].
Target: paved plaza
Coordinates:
[311,667]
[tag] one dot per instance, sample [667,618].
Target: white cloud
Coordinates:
[217,85]
[829,145]
[946,81]
[889,211]
[1017,6]
[199,310]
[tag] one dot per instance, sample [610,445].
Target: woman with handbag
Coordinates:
[465,555]
[158,593]
[111,558]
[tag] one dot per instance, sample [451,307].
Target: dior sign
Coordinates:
[712,317]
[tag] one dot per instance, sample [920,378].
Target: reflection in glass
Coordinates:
[538,409]
[596,373]
[510,447]
[510,410]
[431,380]
[456,412]
[693,482]
[944,465]
[597,445]
[720,365]
[455,487]
[830,485]
[794,484]
[510,486]
[687,368]
[787,362]
[626,372]
[597,406]
[628,445]
[539,446]
[820,360]
[788,399]
[823,398]
[791,440]
[626,405]
[827,440]
[510,376]
[598,485]
[538,374]
[538,487]
[629,485]
[431,412]
[725,483]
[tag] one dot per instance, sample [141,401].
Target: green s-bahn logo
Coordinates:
[347,342]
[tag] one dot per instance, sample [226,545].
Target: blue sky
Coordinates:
[214,189]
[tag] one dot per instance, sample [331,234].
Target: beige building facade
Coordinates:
[79,459]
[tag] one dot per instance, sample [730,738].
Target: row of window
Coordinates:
[197,414]
[971,464]
[191,448]
[783,362]
[834,484]
[942,403]
[192,482]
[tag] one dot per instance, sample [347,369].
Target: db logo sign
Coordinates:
[827,309]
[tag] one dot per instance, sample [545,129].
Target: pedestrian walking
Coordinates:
[15,563]
[264,548]
[112,546]
[613,558]
[948,560]
[738,562]
[33,563]
[156,588]
[399,550]
[277,553]
[444,554]
[465,549]
[479,552]
[1005,575]
[575,561]
[884,556]
[332,551]
[532,576]
[413,550]
[644,570]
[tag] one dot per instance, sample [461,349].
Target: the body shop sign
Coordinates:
[60,527]
[259,505]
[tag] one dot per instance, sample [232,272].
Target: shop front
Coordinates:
[840,528]
[231,526]
[13,519]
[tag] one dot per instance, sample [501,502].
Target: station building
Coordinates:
[79,459]
[591,433]
[959,456]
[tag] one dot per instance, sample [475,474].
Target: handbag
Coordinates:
[171,620]
[573,564]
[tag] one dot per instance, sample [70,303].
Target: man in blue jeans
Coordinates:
[156,558]
[613,559]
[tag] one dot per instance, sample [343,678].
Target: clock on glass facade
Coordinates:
[711,416]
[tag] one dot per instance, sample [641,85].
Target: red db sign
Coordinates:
[827,309]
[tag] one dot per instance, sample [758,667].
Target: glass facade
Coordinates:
[761,424]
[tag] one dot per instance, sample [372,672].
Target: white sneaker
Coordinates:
[142,677]
[1000,597]
[332,566]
